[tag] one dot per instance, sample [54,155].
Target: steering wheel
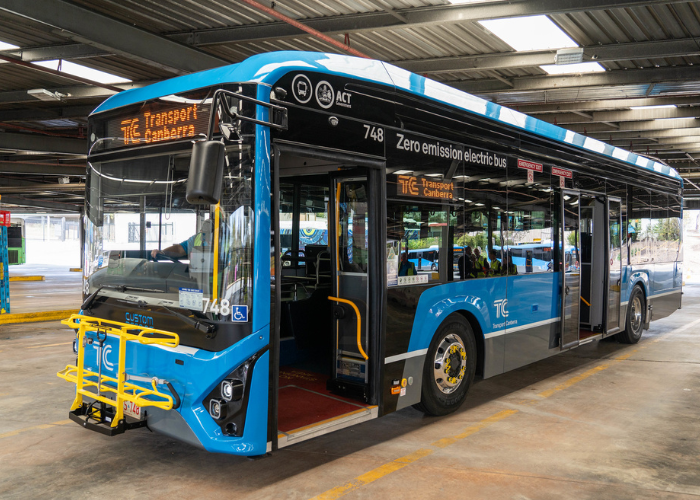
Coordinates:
[154,259]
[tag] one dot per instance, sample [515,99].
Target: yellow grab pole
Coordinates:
[215,281]
[359,324]
[78,402]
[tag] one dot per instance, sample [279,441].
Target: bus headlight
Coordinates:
[216,409]
[231,390]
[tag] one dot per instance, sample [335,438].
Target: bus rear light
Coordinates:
[232,390]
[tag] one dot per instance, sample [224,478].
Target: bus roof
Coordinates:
[269,67]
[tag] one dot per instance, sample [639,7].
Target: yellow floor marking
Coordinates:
[374,474]
[36,316]
[34,427]
[572,381]
[47,345]
[76,270]
[625,356]
[399,463]
[442,443]
[26,278]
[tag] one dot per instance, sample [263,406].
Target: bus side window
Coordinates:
[419,230]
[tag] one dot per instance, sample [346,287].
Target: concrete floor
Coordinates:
[605,421]
[61,289]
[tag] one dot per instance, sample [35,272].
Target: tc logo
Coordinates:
[106,350]
[408,185]
[500,306]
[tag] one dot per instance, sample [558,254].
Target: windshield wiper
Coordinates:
[201,325]
[121,288]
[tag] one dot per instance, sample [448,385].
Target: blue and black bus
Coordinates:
[206,338]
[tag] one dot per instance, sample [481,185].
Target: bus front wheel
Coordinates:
[635,318]
[449,367]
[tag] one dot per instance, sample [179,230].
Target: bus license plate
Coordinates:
[132,410]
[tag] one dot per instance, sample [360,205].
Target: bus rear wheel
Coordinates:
[635,318]
[449,367]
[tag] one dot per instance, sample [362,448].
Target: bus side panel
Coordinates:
[254,439]
[666,298]
[533,317]
[423,310]
[262,201]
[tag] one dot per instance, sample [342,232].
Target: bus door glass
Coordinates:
[614,262]
[351,278]
[571,275]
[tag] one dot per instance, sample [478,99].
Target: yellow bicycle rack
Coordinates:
[93,385]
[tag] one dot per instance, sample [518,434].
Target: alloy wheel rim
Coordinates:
[450,364]
[636,319]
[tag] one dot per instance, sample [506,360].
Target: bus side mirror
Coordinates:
[206,173]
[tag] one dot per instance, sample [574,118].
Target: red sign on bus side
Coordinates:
[529,165]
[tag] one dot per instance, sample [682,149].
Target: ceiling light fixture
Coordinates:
[46,95]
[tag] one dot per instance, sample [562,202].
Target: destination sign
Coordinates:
[160,122]
[410,186]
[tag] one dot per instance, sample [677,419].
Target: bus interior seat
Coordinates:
[318,264]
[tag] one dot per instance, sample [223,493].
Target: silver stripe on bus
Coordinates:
[498,333]
[406,355]
[665,293]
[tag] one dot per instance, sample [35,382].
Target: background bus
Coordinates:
[16,241]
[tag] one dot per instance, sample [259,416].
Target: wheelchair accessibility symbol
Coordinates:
[239,314]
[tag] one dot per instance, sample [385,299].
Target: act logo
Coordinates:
[500,306]
[324,94]
[301,88]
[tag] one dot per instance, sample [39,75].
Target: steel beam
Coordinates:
[112,35]
[651,134]
[42,143]
[9,167]
[51,205]
[598,53]
[607,104]
[51,52]
[76,92]
[410,18]
[597,128]
[38,114]
[617,77]
[632,115]
[40,188]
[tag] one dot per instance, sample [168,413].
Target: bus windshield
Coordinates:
[147,245]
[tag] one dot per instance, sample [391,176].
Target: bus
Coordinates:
[16,243]
[210,341]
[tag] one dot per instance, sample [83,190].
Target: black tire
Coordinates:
[634,324]
[443,395]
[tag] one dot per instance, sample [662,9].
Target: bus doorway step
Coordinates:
[100,420]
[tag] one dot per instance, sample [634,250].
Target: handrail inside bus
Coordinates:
[359,324]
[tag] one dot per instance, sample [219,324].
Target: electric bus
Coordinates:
[210,339]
